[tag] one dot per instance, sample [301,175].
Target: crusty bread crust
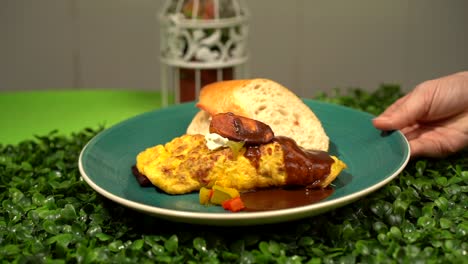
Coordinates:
[221,97]
[263,100]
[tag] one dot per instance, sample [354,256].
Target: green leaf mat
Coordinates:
[48,214]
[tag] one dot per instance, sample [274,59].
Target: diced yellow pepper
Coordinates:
[221,194]
[205,195]
[231,191]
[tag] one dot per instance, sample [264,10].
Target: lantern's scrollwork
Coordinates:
[202,41]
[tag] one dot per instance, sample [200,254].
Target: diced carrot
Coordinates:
[234,205]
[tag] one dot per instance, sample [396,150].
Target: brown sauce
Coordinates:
[142,179]
[253,154]
[303,167]
[276,199]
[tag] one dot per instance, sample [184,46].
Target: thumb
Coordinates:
[404,112]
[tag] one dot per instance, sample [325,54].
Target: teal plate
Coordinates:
[105,163]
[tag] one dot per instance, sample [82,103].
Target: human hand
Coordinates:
[433,116]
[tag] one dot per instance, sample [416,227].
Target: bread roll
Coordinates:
[263,100]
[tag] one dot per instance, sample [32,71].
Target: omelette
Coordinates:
[186,164]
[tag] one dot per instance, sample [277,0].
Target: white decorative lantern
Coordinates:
[202,41]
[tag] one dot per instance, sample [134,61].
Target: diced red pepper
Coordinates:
[234,204]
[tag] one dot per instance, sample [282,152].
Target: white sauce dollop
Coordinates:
[215,141]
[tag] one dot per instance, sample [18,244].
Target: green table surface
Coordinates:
[25,114]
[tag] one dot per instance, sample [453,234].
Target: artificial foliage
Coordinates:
[48,214]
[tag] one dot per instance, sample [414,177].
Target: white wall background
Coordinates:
[308,45]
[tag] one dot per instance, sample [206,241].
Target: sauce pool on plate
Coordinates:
[282,198]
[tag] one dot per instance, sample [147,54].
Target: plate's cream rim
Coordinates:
[233,217]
